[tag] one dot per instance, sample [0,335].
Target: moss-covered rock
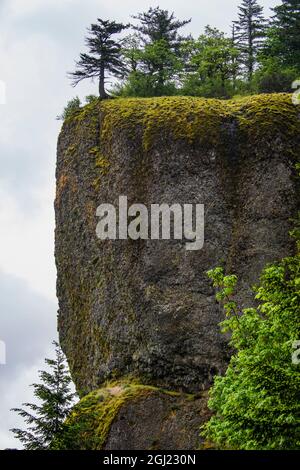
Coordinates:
[126,415]
[146,308]
[192,120]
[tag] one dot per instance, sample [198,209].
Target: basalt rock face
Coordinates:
[145,308]
[132,416]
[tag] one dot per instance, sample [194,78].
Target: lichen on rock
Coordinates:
[145,308]
[129,415]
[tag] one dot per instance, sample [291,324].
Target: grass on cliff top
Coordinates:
[194,120]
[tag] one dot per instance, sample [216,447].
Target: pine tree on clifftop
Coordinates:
[286,32]
[105,55]
[157,25]
[45,421]
[250,30]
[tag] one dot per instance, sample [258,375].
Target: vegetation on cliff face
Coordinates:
[238,141]
[261,55]
[256,403]
[89,423]
[195,120]
[45,419]
[104,56]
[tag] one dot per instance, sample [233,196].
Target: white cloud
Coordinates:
[27,328]
[13,394]
[27,243]
[27,7]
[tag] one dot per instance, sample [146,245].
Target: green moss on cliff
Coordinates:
[101,164]
[96,134]
[84,123]
[189,119]
[90,421]
[266,116]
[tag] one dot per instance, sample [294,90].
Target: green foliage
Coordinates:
[249,31]
[160,61]
[155,60]
[89,423]
[131,50]
[285,37]
[153,55]
[105,55]
[280,56]
[157,25]
[141,85]
[273,76]
[157,68]
[212,62]
[256,404]
[72,107]
[195,120]
[45,421]
[90,99]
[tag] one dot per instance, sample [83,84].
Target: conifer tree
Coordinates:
[157,25]
[286,32]
[250,30]
[45,420]
[132,51]
[105,55]
[160,60]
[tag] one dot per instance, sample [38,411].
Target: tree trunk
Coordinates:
[223,86]
[250,50]
[161,78]
[102,92]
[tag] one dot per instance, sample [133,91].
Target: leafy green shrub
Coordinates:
[273,77]
[257,402]
[89,99]
[70,109]
[141,85]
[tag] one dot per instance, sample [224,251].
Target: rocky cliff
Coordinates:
[143,310]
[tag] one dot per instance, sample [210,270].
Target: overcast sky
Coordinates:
[39,40]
